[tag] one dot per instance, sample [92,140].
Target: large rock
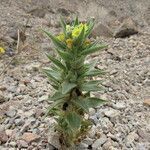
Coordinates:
[102,30]
[38,12]
[126,29]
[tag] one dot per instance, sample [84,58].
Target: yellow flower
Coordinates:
[2,50]
[77,30]
[69,43]
[83,25]
[61,37]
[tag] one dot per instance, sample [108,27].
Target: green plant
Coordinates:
[69,75]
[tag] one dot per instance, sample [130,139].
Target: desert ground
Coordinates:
[121,124]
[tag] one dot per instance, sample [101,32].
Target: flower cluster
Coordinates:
[72,33]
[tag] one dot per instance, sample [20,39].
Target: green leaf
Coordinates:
[56,42]
[71,76]
[67,86]
[93,101]
[89,70]
[58,95]
[91,86]
[54,74]
[73,120]
[93,49]
[63,24]
[76,22]
[56,62]
[86,103]
[54,105]
[81,103]
[51,78]
[94,72]
[90,28]
[87,67]
[65,55]
[78,63]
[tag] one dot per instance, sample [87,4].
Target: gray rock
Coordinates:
[94,119]
[39,113]
[13,144]
[112,136]
[50,147]
[28,102]
[126,29]
[119,105]
[141,146]
[130,139]
[113,72]
[64,11]
[7,39]
[9,132]
[53,139]
[3,137]
[144,134]
[11,113]
[92,132]
[112,148]
[12,89]
[92,111]
[106,124]
[22,144]
[107,144]
[19,121]
[88,141]
[2,98]
[99,142]
[29,113]
[35,66]
[81,146]
[13,33]
[43,98]
[102,30]
[10,52]
[24,128]
[38,12]
[111,113]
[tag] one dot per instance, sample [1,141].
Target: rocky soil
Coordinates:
[123,123]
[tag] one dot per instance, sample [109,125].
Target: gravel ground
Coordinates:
[122,124]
